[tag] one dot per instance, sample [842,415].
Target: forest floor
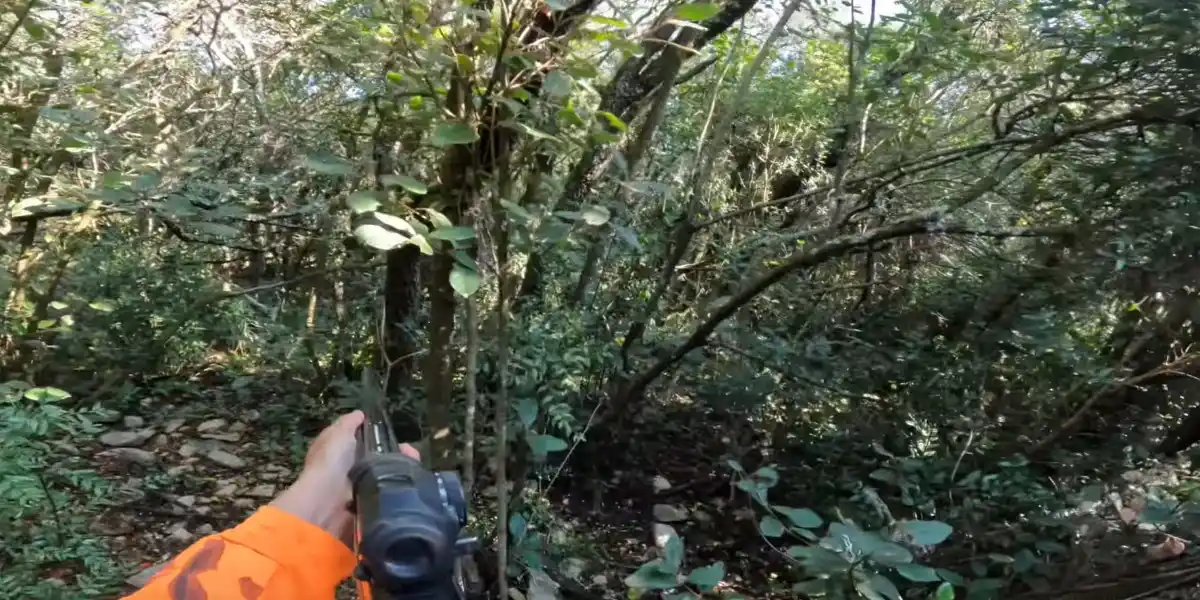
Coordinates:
[184,472]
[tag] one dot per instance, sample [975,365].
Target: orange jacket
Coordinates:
[270,556]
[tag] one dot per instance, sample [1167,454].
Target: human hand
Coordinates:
[322,494]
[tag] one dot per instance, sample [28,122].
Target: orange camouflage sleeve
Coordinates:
[272,555]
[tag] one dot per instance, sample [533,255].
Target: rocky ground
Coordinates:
[180,479]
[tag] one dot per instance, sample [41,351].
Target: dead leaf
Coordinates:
[1169,549]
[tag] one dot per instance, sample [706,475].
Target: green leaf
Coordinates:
[707,578]
[673,554]
[545,444]
[557,84]
[770,527]
[453,234]
[393,222]
[889,554]
[819,561]
[517,526]
[944,592]
[46,394]
[596,215]
[218,229]
[529,131]
[102,306]
[611,22]
[363,201]
[406,182]
[698,11]
[395,77]
[464,281]
[627,235]
[147,181]
[326,163]
[453,133]
[877,587]
[423,245]
[800,517]
[917,573]
[984,587]
[927,533]
[951,577]
[767,475]
[652,576]
[517,210]
[438,219]
[614,121]
[379,237]
[527,411]
[36,30]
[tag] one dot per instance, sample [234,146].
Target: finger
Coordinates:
[350,421]
[409,451]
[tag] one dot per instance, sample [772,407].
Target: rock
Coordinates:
[189,449]
[128,493]
[178,470]
[130,456]
[173,425]
[108,417]
[224,437]
[211,425]
[541,586]
[141,578]
[228,491]
[187,501]
[600,581]
[244,503]
[264,490]
[205,529]
[160,441]
[181,534]
[202,510]
[124,439]
[661,484]
[663,533]
[225,459]
[668,513]
[253,415]
[134,422]
[573,567]
[238,427]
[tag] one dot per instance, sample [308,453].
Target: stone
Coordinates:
[107,417]
[264,490]
[661,484]
[228,491]
[211,425]
[110,525]
[181,534]
[160,441]
[130,456]
[253,415]
[189,449]
[600,580]
[125,439]
[173,425]
[238,427]
[226,459]
[244,503]
[668,513]
[187,501]
[141,578]
[205,529]
[178,470]
[224,437]
[134,422]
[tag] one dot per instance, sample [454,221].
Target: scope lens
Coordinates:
[410,559]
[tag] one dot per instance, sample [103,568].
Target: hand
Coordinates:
[322,494]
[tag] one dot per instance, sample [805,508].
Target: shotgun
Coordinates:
[407,520]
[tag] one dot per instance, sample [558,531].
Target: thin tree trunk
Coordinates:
[468,461]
